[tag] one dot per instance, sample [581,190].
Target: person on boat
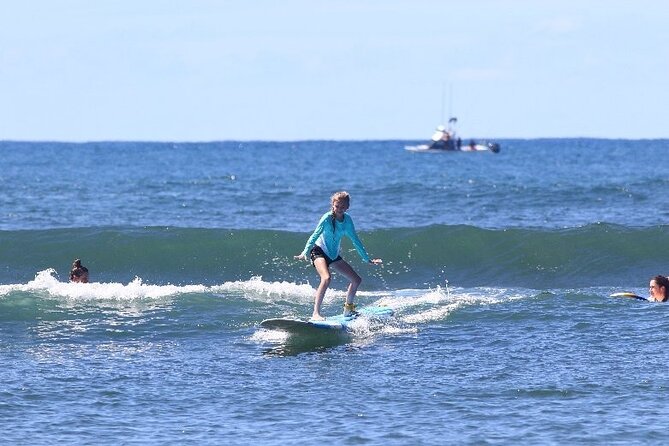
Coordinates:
[324,248]
[659,289]
[438,137]
[78,273]
[441,139]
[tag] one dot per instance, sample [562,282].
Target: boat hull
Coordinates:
[425,148]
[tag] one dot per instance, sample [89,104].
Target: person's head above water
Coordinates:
[659,287]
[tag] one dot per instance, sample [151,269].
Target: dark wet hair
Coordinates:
[662,281]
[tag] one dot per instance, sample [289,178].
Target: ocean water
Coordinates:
[499,268]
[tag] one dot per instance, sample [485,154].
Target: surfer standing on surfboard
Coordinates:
[324,247]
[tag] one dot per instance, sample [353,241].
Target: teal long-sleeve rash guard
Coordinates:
[329,238]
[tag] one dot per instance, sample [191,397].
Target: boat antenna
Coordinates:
[450,101]
[443,100]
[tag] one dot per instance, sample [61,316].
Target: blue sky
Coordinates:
[204,70]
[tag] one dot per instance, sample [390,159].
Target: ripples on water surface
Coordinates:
[190,246]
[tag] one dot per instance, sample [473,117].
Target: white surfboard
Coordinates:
[336,323]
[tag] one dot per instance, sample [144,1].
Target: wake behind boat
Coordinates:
[446,140]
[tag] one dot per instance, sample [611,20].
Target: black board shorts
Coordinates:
[317,252]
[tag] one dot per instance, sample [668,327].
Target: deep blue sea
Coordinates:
[499,268]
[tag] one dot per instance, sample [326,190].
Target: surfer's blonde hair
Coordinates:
[341,196]
[338,196]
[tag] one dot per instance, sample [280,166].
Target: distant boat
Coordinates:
[446,140]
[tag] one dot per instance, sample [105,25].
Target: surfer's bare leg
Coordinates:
[345,269]
[324,273]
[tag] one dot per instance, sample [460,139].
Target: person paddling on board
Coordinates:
[659,289]
[79,273]
[324,247]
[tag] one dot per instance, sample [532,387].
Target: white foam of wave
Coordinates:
[271,336]
[303,293]
[423,306]
[47,282]
[411,306]
[257,289]
[368,328]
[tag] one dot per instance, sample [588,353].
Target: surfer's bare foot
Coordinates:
[317,317]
